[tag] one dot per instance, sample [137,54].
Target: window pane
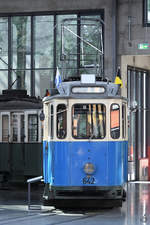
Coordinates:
[115,121]
[148,11]
[3,80]
[5,128]
[123,121]
[25,80]
[22,134]
[61,121]
[21,44]
[89,121]
[69,45]
[52,122]
[43,81]
[44,41]
[15,127]
[32,128]
[4,43]
[91,33]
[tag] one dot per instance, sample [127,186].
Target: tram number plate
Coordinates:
[88,180]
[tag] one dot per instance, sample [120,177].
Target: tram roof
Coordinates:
[78,90]
[18,99]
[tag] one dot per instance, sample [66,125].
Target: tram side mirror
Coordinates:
[42,116]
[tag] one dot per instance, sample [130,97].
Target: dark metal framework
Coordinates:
[32,65]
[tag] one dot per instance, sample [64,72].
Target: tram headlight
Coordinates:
[89,168]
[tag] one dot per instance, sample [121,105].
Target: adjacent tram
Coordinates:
[85,144]
[20,137]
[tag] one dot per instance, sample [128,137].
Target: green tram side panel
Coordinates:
[21,159]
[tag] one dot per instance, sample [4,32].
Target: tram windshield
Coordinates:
[89,121]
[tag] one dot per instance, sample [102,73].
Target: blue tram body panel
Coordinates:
[64,161]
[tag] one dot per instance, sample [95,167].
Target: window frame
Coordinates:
[119,121]
[65,115]
[87,138]
[37,130]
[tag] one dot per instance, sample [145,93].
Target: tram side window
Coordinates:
[5,128]
[89,121]
[32,128]
[123,121]
[52,122]
[115,121]
[61,121]
[15,127]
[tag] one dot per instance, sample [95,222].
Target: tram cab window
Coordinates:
[123,121]
[32,128]
[5,128]
[89,121]
[61,121]
[115,121]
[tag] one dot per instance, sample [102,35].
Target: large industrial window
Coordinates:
[61,121]
[147,12]
[89,121]
[34,46]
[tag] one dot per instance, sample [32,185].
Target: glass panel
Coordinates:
[32,128]
[3,80]
[115,121]
[44,41]
[148,11]
[15,127]
[43,81]
[123,121]
[5,128]
[88,90]
[26,81]
[61,121]
[89,121]
[69,44]
[52,122]
[21,44]
[3,43]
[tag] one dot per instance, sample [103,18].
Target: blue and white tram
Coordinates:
[85,144]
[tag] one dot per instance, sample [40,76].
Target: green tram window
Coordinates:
[5,128]
[32,128]
[89,121]
[115,121]
[61,121]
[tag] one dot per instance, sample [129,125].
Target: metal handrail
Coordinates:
[30,181]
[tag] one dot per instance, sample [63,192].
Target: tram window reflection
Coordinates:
[5,128]
[115,121]
[32,128]
[61,121]
[89,121]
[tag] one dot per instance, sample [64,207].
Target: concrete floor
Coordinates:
[14,210]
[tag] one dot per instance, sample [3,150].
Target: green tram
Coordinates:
[20,136]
